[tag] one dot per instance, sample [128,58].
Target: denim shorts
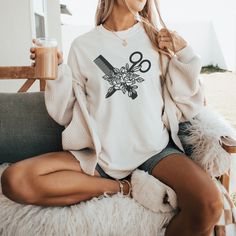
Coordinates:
[149,164]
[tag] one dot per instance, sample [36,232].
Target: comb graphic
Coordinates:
[119,84]
[104,65]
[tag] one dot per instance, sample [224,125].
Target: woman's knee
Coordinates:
[204,208]
[16,186]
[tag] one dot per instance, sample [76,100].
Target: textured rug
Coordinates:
[108,216]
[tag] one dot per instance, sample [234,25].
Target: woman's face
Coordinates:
[135,5]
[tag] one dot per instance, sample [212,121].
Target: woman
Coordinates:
[114,69]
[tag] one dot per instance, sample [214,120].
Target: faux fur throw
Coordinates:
[100,216]
[106,216]
[201,139]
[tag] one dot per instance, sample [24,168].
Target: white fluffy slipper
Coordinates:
[152,193]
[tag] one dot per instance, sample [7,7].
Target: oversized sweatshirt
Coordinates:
[109,99]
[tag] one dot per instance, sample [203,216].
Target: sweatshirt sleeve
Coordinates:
[184,84]
[77,76]
[59,93]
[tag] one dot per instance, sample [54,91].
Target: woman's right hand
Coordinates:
[33,56]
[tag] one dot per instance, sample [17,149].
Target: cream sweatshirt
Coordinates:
[109,99]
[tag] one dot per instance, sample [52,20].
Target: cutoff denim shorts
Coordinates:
[149,164]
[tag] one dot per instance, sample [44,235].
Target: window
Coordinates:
[39,25]
[39,18]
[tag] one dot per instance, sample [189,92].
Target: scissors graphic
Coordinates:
[139,63]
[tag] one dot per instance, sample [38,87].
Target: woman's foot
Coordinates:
[143,183]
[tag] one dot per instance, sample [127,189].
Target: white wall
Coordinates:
[200,38]
[220,34]
[225,32]
[14,40]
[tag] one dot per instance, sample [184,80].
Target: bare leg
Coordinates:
[198,198]
[53,179]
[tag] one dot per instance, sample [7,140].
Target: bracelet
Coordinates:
[121,186]
[130,187]
[121,182]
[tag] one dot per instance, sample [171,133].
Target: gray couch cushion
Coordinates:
[26,129]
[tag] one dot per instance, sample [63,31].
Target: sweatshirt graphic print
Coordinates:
[123,96]
[126,78]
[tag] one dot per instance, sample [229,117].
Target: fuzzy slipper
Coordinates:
[152,193]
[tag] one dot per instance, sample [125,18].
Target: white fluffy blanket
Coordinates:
[112,216]
[201,139]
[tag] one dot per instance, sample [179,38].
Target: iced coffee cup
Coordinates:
[46,63]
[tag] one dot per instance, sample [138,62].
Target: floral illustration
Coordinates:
[125,78]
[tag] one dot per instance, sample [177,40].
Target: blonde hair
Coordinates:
[149,19]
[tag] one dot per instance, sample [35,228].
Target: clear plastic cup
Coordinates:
[46,61]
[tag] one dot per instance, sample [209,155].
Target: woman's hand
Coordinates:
[165,41]
[33,56]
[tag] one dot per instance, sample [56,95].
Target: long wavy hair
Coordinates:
[150,19]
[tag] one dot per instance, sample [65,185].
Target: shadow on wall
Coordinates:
[203,38]
[217,52]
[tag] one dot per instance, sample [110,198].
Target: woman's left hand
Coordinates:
[164,40]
